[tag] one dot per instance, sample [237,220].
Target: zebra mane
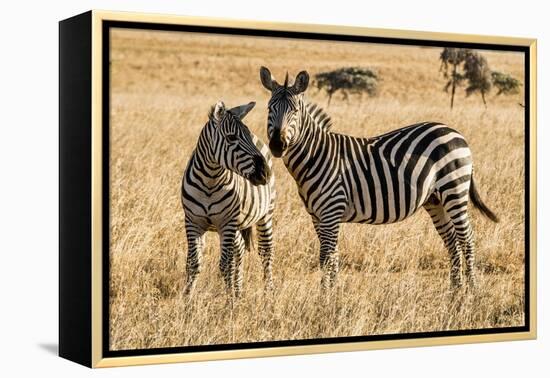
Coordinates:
[319,116]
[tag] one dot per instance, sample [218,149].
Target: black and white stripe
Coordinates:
[228,187]
[377,180]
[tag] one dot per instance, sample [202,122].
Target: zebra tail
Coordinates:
[247,236]
[476,200]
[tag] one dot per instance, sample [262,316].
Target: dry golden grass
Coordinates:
[394,278]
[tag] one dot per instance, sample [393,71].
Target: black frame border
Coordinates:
[105,30]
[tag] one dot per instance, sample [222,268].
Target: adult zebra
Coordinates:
[228,187]
[377,180]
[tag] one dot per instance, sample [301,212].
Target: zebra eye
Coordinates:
[231,138]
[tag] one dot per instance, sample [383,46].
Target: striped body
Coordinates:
[213,198]
[377,180]
[221,193]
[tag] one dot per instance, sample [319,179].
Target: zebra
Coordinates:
[228,187]
[379,180]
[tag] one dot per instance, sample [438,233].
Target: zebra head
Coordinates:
[233,144]
[283,120]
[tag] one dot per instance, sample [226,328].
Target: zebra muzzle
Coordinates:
[262,173]
[277,147]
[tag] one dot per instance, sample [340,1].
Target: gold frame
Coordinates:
[97,359]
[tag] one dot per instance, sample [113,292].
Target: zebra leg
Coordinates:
[238,253]
[466,239]
[265,248]
[227,262]
[446,230]
[328,255]
[195,244]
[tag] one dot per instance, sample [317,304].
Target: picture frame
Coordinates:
[85,80]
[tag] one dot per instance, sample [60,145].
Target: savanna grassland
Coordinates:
[393,279]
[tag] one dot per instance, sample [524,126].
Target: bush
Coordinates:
[505,83]
[347,80]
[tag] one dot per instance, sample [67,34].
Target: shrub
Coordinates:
[348,80]
[505,83]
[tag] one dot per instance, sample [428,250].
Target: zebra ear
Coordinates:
[218,111]
[267,79]
[301,82]
[243,110]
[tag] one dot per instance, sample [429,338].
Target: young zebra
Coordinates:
[377,180]
[228,187]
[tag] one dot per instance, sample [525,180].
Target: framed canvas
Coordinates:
[235,189]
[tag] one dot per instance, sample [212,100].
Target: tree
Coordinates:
[478,74]
[465,65]
[347,80]
[451,59]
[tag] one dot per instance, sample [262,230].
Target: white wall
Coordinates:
[28,161]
